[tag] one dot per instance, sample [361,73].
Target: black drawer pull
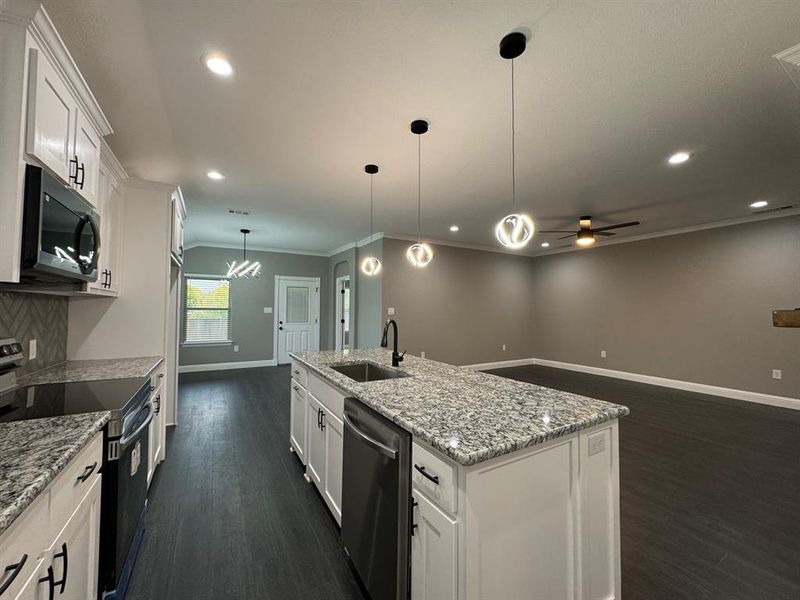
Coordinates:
[414,504]
[319,418]
[73,161]
[51,582]
[15,569]
[158,403]
[296,372]
[296,388]
[322,421]
[433,478]
[63,554]
[87,473]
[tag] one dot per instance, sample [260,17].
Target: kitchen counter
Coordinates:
[468,415]
[93,370]
[33,453]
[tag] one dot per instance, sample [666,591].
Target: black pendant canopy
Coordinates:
[419,126]
[512,45]
[371,169]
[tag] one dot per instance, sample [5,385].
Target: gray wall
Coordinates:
[693,307]
[36,316]
[463,306]
[252,330]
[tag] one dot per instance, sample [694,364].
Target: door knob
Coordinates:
[280,328]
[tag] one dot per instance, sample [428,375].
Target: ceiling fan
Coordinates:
[586,235]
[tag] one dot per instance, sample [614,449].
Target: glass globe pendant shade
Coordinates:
[515,231]
[419,254]
[371,266]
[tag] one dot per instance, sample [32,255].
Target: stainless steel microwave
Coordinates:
[60,232]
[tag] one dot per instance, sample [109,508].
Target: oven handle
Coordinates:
[383,449]
[126,441]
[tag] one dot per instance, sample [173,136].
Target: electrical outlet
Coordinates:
[236,347]
[597,443]
[504,347]
[602,353]
[390,311]
[777,374]
[422,354]
[32,349]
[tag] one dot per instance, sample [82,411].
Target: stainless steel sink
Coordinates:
[367,371]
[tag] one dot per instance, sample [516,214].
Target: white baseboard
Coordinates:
[245,364]
[519,362]
[700,388]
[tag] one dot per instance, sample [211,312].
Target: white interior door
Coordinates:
[298,316]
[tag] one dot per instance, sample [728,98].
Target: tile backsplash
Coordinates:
[36,316]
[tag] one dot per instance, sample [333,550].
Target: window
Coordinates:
[207,310]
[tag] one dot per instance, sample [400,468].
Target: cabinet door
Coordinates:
[51,117]
[112,225]
[75,553]
[297,424]
[33,588]
[315,443]
[102,206]
[86,148]
[334,445]
[154,437]
[434,559]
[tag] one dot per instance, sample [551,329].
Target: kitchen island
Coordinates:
[515,486]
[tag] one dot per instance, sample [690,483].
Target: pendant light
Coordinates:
[514,231]
[371,265]
[245,268]
[419,254]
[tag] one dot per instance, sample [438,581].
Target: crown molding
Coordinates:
[46,35]
[111,163]
[227,246]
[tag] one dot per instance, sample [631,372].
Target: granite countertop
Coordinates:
[468,415]
[92,370]
[33,453]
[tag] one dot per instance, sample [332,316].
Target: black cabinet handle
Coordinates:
[15,569]
[86,474]
[71,177]
[63,554]
[319,418]
[433,478]
[110,276]
[414,504]
[158,403]
[322,421]
[82,170]
[51,582]
[296,372]
[296,388]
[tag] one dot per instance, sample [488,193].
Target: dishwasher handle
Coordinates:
[382,448]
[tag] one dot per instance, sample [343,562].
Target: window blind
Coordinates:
[206,312]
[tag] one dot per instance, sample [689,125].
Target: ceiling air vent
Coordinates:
[236,211]
[789,59]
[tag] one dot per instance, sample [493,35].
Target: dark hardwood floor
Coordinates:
[229,513]
[710,491]
[710,497]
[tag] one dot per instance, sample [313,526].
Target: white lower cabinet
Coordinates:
[298,421]
[315,442]
[333,428]
[434,552]
[155,436]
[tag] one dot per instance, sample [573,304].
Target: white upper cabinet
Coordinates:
[178,216]
[86,153]
[51,118]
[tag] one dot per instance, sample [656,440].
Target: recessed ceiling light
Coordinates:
[453,228]
[545,244]
[679,158]
[218,65]
[216,175]
[759,204]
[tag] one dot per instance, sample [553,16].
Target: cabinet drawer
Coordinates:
[23,543]
[299,374]
[298,389]
[330,397]
[69,488]
[440,483]
[157,376]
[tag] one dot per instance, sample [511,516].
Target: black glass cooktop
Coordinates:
[56,399]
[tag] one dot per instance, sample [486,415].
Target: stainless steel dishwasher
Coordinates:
[376,497]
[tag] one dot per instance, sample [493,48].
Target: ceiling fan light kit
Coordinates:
[371,265]
[419,254]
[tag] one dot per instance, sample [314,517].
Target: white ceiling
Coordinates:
[605,92]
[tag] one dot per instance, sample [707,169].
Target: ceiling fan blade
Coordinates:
[606,233]
[617,226]
[568,236]
[553,231]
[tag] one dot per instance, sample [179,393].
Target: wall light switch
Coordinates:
[422,354]
[597,443]
[236,347]
[267,310]
[32,350]
[504,347]
[777,374]
[390,311]
[602,353]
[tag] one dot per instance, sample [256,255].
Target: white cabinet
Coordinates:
[297,421]
[108,206]
[315,442]
[51,118]
[86,151]
[333,429]
[57,537]
[177,227]
[155,436]
[434,556]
